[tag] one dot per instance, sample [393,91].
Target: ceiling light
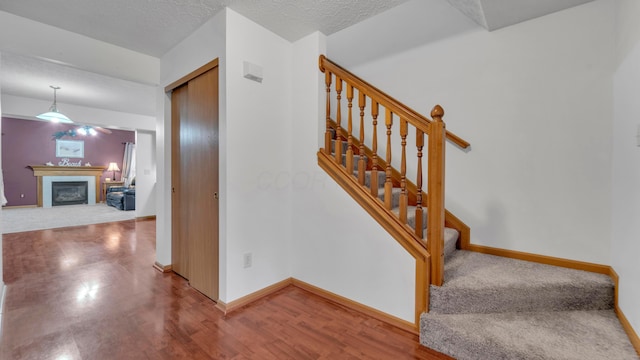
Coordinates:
[53,114]
[87,130]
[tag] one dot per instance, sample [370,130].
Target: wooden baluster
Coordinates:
[419,223]
[388,184]
[350,129]
[327,134]
[338,141]
[374,149]
[403,172]
[362,102]
[435,214]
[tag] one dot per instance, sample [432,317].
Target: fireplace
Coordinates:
[48,174]
[69,193]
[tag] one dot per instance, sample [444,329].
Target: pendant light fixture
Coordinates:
[53,114]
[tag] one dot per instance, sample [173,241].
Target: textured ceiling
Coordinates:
[154,26]
[496,14]
[148,26]
[294,19]
[29,77]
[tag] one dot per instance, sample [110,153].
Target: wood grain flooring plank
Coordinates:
[90,292]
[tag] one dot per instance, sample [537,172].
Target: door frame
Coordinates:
[175,157]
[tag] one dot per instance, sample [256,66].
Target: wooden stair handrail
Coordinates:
[338,159]
[417,120]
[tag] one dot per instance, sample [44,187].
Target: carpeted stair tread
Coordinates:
[579,335]
[356,158]
[367,177]
[481,283]
[411,216]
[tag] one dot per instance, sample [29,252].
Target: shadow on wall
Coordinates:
[419,21]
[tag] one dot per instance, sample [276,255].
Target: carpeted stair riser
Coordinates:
[345,146]
[395,196]
[480,283]
[570,335]
[450,240]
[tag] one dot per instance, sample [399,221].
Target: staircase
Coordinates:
[477,306]
[451,235]
[492,307]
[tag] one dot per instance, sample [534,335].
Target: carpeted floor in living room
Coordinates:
[28,219]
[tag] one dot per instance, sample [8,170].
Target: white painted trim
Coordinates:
[3,291]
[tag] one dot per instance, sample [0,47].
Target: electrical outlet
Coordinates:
[247,260]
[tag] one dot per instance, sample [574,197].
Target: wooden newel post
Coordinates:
[435,186]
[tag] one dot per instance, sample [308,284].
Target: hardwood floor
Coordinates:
[90,292]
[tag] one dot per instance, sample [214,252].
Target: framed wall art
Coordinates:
[70,148]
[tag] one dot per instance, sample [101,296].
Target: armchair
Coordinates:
[121,198]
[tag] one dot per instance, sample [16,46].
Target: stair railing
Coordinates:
[342,79]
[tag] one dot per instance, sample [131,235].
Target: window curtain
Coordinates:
[129,163]
[3,200]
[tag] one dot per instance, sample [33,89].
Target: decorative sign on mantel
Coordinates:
[67,162]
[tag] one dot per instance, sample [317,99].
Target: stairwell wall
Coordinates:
[535,101]
[336,245]
[626,161]
[258,155]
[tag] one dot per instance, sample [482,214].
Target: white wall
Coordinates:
[145,173]
[2,287]
[255,120]
[258,151]
[336,245]
[535,102]
[397,30]
[625,213]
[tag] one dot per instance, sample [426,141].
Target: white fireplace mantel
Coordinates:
[47,174]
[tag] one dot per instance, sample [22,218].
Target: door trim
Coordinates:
[192,75]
